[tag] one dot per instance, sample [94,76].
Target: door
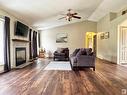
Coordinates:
[1,45]
[95,44]
[123,45]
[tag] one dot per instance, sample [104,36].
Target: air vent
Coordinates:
[124,12]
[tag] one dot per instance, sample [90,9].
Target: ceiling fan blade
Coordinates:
[75,14]
[61,18]
[76,17]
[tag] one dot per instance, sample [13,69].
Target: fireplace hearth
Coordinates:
[20,55]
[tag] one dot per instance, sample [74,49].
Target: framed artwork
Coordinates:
[102,36]
[106,35]
[61,38]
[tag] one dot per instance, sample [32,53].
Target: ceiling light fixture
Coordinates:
[70,15]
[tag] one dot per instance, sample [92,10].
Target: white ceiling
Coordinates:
[44,14]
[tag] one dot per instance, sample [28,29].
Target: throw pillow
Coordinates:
[88,51]
[82,51]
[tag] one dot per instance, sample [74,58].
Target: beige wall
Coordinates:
[76,36]
[108,48]
[12,36]
[120,12]
[115,28]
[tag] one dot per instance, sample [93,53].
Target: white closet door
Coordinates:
[123,45]
[1,41]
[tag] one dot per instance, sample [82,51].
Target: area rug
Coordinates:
[58,65]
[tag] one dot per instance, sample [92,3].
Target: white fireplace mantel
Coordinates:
[16,44]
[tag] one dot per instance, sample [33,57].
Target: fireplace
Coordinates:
[20,55]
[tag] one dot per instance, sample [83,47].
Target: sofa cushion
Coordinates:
[82,51]
[91,54]
[59,54]
[64,50]
[88,51]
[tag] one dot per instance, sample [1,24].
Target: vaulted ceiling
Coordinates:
[44,14]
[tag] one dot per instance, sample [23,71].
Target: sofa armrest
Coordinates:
[71,55]
[73,61]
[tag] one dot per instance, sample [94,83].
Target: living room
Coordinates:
[76,49]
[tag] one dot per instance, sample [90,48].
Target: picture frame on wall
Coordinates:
[62,38]
[102,36]
[106,36]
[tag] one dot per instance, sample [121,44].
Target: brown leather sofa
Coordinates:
[61,54]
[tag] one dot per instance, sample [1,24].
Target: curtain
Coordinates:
[7,66]
[39,40]
[30,44]
[34,44]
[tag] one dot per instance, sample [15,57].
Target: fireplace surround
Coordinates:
[20,55]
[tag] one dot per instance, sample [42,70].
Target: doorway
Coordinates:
[91,40]
[122,43]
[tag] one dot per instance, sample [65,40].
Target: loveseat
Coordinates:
[61,54]
[83,58]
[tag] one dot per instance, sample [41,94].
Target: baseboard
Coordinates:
[23,65]
[107,61]
[123,63]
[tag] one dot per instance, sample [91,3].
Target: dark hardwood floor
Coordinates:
[108,79]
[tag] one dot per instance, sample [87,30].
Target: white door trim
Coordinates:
[119,60]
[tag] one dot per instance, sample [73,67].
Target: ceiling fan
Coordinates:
[70,15]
